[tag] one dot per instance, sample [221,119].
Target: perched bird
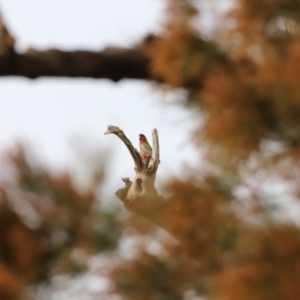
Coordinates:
[145,148]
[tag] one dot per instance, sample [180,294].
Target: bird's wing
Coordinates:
[146,148]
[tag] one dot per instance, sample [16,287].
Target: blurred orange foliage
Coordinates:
[232,222]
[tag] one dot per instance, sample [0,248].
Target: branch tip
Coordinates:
[137,159]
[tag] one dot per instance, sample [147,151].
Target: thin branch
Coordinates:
[137,159]
[154,162]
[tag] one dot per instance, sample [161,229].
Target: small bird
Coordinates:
[145,148]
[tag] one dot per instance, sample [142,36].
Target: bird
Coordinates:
[145,148]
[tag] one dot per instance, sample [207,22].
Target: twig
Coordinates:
[154,161]
[137,159]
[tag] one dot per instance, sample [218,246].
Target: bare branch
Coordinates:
[113,63]
[137,159]
[110,64]
[154,161]
[140,195]
[143,185]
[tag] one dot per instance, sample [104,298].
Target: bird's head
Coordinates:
[142,137]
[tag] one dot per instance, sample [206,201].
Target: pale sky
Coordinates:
[49,113]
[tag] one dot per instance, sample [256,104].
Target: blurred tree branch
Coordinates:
[111,63]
